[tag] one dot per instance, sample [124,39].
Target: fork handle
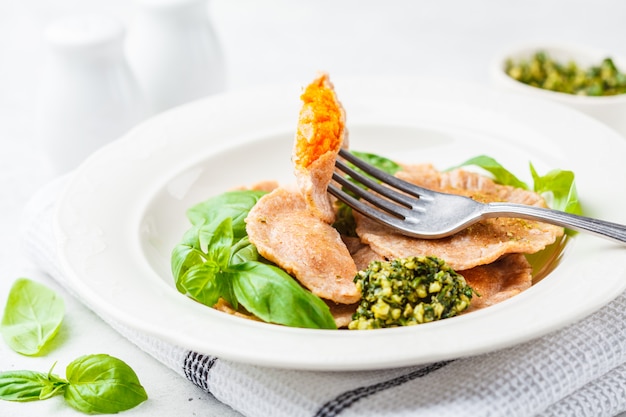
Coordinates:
[571,221]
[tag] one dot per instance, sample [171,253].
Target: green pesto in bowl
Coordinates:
[542,71]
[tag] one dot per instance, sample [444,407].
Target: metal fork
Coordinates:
[423,213]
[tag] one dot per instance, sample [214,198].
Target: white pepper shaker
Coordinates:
[174,51]
[89,96]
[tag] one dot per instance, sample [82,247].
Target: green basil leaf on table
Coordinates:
[22,385]
[32,316]
[30,385]
[102,384]
[95,384]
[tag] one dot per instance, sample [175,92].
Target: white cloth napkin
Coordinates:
[577,371]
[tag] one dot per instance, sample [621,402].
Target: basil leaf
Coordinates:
[501,175]
[32,316]
[561,187]
[219,242]
[102,384]
[203,283]
[274,296]
[190,252]
[206,283]
[233,204]
[30,385]
[186,254]
[22,385]
[244,251]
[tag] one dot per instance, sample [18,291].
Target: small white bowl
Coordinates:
[608,109]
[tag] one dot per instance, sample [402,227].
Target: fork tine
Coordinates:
[390,193]
[367,210]
[396,210]
[384,177]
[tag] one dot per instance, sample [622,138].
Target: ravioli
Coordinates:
[320,134]
[498,281]
[288,234]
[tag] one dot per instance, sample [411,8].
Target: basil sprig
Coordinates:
[32,316]
[216,260]
[94,384]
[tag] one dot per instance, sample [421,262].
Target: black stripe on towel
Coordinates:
[197,367]
[335,406]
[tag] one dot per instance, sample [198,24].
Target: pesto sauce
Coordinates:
[409,291]
[541,71]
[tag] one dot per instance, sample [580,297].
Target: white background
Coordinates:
[265,42]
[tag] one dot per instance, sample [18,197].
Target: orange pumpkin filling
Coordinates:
[321,124]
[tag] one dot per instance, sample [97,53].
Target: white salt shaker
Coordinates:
[89,95]
[174,51]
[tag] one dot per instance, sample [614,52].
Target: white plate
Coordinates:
[124,210]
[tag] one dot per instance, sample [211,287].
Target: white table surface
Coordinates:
[265,42]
